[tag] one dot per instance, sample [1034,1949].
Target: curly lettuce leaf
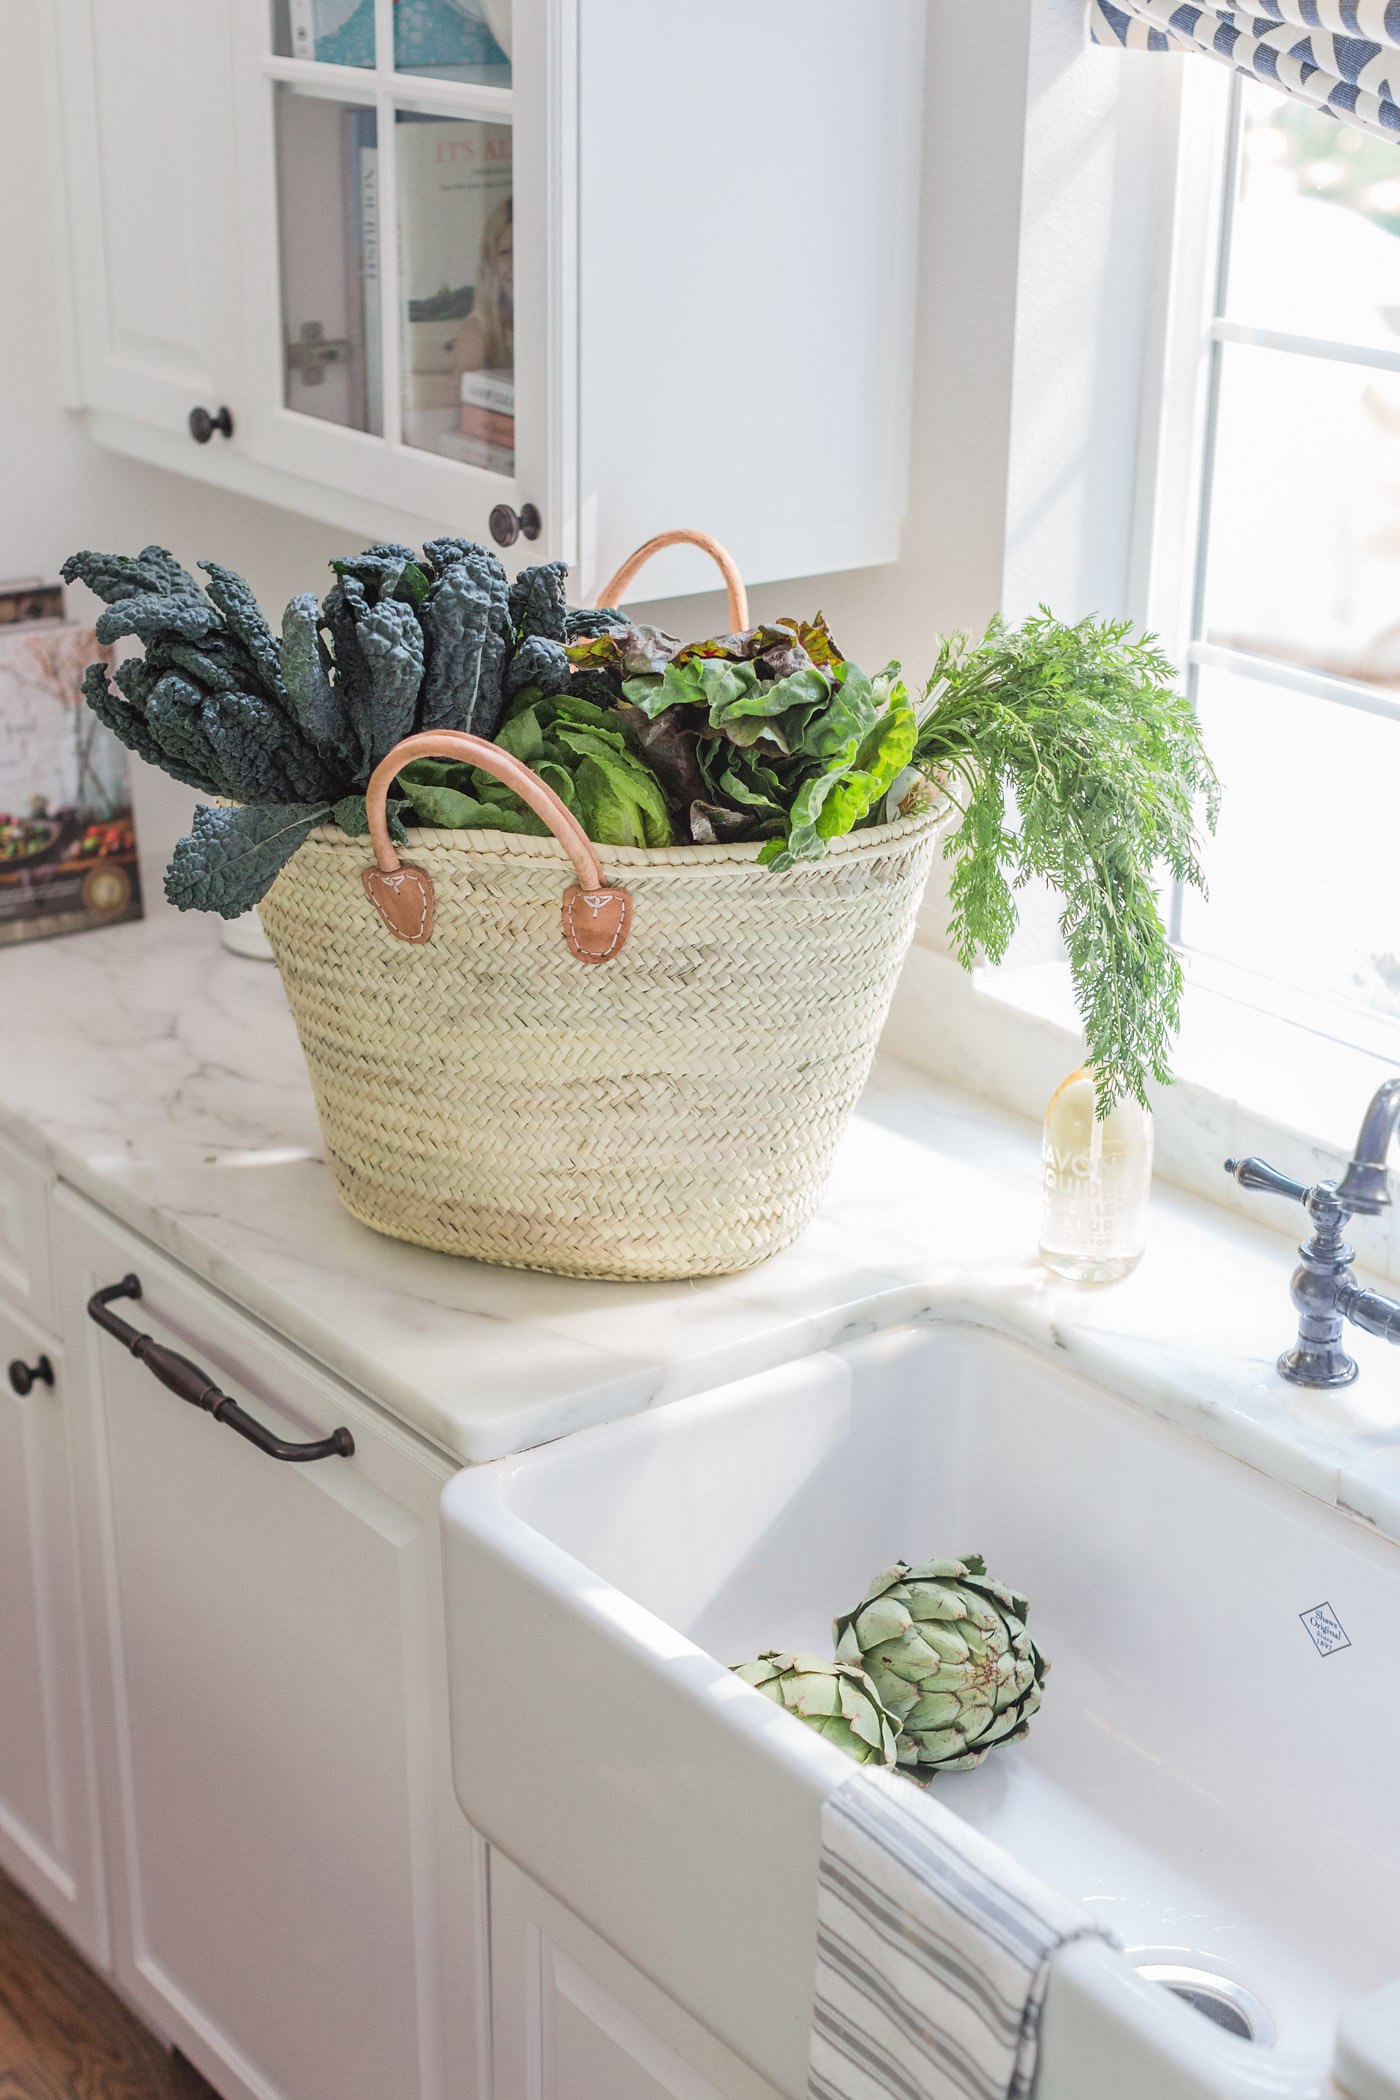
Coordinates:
[834,802]
[458,811]
[620,801]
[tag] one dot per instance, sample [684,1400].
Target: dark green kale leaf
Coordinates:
[353,818]
[582,622]
[174,719]
[128,724]
[112,577]
[537,602]
[136,680]
[215,663]
[316,706]
[154,616]
[539,664]
[445,554]
[232,857]
[243,617]
[260,755]
[391,549]
[482,569]
[344,605]
[392,643]
[456,620]
[597,686]
[386,572]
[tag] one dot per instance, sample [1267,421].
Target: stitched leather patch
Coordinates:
[403,900]
[596,922]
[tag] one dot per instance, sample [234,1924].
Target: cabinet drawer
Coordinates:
[26,1272]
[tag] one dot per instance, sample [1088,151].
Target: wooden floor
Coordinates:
[63,2034]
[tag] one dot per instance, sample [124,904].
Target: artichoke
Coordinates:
[947,1651]
[837,1699]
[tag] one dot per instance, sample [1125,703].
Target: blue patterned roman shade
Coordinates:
[1342,56]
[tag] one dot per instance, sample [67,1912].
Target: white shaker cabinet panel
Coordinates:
[142,157]
[47,1827]
[295,1896]
[571,2020]
[26,1270]
[747,260]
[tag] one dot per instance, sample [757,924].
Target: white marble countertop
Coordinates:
[161,1076]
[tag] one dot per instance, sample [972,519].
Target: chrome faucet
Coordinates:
[1324,1289]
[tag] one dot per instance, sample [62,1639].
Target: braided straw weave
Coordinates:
[672,1112]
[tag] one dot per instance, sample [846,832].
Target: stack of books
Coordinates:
[488,420]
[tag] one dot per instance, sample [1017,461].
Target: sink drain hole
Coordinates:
[1229,2005]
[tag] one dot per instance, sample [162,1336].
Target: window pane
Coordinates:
[1291,766]
[454,39]
[458,287]
[1304,553]
[328,229]
[338,32]
[1315,248]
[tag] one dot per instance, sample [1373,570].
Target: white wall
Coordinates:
[1038,165]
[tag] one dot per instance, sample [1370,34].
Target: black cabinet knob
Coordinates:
[24,1377]
[203,425]
[507,525]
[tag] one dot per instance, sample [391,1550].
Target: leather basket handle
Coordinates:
[597,915]
[729,568]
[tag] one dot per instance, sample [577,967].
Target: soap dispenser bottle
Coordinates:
[1097,1176]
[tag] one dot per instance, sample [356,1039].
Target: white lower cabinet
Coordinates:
[224,1743]
[47,1826]
[572,2020]
[295,1898]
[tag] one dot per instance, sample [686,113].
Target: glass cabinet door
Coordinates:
[328,251]
[457,287]
[393,136]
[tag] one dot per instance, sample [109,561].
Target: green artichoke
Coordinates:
[947,1651]
[837,1699]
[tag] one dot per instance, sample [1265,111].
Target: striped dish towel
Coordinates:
[933,1952]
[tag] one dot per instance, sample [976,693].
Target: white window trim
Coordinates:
[1259,1067]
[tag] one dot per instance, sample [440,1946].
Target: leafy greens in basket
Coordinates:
[770,736]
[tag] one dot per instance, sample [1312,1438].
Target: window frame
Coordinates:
[1180,406]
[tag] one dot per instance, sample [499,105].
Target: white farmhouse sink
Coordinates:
[1220,1793]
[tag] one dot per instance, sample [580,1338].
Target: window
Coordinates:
[1290,613]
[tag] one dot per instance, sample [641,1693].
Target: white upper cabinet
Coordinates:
[634,266]
[747,244]
[143,159]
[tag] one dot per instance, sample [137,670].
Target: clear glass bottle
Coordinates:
[1097,1177]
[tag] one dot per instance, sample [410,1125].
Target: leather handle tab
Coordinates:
[729,568]
[597,915]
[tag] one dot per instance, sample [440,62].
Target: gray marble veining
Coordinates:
[161,1077]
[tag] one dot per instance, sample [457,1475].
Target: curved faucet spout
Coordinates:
[1365,1185]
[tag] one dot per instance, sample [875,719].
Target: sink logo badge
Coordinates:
[1328,1633]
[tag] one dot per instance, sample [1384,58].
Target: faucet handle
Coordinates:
[1258,1174]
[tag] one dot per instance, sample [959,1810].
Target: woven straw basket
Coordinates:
[654,1090]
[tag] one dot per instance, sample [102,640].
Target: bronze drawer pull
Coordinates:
[198,1387]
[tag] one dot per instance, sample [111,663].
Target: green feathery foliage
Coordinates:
[1077,733]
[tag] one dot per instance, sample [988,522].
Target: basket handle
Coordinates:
[729,568]
[597,917]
